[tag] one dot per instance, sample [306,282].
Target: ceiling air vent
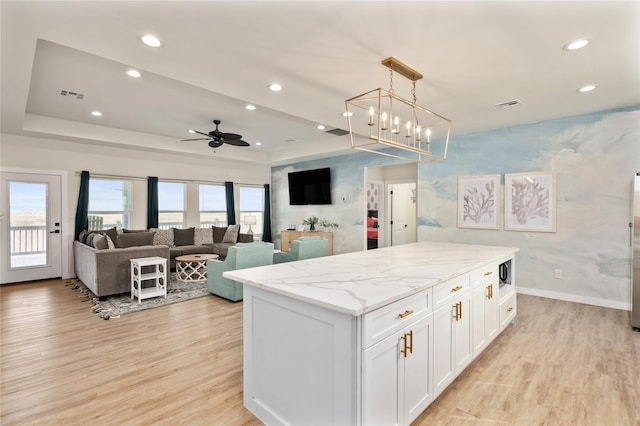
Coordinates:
[509,104]
[338,132]
[71,94]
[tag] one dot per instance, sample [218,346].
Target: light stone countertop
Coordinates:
[360,282]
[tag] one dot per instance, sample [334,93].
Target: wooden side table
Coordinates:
[193,267]
[158,275]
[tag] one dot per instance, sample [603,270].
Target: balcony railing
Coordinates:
[28,239]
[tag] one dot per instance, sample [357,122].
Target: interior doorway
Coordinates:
[387,186]
[403,199]
[30,220]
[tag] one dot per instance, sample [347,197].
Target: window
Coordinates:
[109,201]
[213,205]
[251,204]
[171,211]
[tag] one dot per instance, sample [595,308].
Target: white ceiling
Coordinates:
[218,56]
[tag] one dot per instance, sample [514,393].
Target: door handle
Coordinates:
[57,231]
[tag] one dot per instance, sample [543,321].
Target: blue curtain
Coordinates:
[152,202]
[231,208]
[266,227]
[82,210]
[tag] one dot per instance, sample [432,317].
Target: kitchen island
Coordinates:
[369,337]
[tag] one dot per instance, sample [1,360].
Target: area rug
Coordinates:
[122,304]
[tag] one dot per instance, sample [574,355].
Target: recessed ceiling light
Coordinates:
[151,40]
[191,131]
[275,87]
[577,44]
[134,73]
[250,107]
[347,114]
[96,113]
[320,127]
[259,143]
[587,88]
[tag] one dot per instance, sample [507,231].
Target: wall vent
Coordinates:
[71,94]
[337,132]
[509,104]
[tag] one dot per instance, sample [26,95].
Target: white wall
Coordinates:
[72,157]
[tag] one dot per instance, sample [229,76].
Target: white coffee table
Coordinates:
[193,267]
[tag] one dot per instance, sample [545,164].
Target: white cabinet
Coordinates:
[397,376]
[396,362]
[451,330]
[484,283]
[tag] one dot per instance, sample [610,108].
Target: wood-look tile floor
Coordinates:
[561,363]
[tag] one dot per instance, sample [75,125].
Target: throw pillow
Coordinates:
[83,236]
[183,237]
[100,242]
[245,238]
[231,235]
[203,236]
[218,233]
[90,237]
[162,237]
[110,242]
[112,233]
[135,239]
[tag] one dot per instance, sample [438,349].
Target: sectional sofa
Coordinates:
[101,259]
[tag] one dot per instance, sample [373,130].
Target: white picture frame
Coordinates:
[479,202]
[530,201]
[301,228]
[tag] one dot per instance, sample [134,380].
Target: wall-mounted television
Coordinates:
[310,187]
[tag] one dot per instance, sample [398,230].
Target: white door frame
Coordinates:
[388,207]
[66,225]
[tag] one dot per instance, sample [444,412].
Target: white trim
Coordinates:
[605,303]
[66,269]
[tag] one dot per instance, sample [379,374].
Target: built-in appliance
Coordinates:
[635,256]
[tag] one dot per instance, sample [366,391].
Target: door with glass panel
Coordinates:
[30,221]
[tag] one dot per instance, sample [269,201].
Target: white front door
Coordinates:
[30,226]
[403,213]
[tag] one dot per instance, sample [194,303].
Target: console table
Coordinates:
[370,337]
[287,237]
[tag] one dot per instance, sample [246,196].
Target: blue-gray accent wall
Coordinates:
[594,156]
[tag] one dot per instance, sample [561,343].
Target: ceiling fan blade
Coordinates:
[230,136]
[215,144]
[201,133]
[197,139]
[236,142]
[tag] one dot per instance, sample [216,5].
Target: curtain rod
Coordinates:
[103,175]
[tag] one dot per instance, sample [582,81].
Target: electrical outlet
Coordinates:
[558,274]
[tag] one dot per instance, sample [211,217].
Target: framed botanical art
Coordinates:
[479,201]
[530,202]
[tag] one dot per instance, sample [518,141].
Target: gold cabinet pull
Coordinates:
[405,313]
[456,288]
[490,292]
[488,273]
[458,311]
[510,309]
[407,340]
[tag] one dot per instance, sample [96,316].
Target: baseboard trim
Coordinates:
[575,298]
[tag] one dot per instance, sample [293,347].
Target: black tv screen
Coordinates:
[310,187]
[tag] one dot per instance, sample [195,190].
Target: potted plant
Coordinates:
[312,222]
[327,224]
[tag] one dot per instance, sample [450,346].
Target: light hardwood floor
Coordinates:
[561,363]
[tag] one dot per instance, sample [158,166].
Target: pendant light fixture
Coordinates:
[381,122]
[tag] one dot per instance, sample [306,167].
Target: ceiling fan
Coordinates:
[216,138]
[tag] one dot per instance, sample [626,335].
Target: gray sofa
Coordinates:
[105,268]
[108,271]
